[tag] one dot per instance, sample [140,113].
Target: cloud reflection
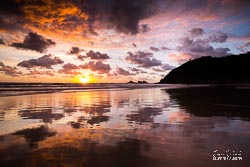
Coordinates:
[138,127]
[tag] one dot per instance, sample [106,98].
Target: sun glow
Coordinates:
[84,79]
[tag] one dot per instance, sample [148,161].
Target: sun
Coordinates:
[83,79]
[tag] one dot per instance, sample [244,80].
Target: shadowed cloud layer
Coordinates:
[8,70]
[75,50]
[98,66]
[116,37]
[34,42]
[121,71]
[143,59]
[124,16]
[94,56]
[46,61]
[199,43]
[86,16]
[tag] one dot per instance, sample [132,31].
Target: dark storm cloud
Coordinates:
[11,15]
[8,70]
[98,66]
[11,23]
[46,61]
[15,7]
[34,42]
[154,49]
[75,50]
[124,16]
[143,59]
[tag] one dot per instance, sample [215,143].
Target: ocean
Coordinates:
[57,124]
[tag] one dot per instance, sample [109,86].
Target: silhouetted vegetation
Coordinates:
[139,82]
[212,70]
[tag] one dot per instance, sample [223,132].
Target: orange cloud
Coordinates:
[58,19]
[179,57]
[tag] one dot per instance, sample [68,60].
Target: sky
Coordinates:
[113,41]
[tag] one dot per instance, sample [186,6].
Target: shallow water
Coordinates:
[162,126]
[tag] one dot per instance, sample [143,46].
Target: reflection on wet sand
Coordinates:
[34,135]
[140,127]
[230,101]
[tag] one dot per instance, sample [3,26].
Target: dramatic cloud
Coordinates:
[218,37]
[34,42]
[163,68]
[137,70]
[2,42]
[112,27]
[124,16]
[8,70]
[75,50]
[144,28]
[45,61]
[167,67]
[196,32]
[86,16]
[94,56]
[164,48]
[97,55]
[197,47]
[69,68]
[11,16]
[143,59]
[51,15]
[98,66]
[154,49]
[121,71]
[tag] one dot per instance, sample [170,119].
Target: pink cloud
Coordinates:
[179,57]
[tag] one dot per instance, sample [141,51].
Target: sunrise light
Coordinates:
[83,79]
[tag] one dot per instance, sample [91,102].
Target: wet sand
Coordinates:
[126,127]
